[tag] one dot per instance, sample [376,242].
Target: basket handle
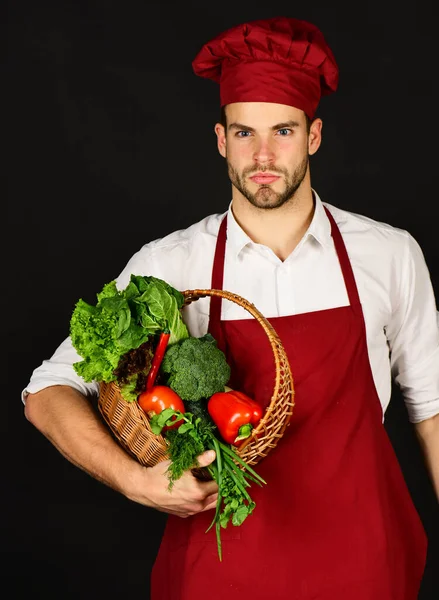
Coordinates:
[280,357]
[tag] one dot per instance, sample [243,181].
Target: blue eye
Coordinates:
[243,133]
[284,131]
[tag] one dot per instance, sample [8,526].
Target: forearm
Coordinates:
[71,424]
[428,435]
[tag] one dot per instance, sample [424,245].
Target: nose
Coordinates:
[264,151]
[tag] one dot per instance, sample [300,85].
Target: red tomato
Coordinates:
[159,397]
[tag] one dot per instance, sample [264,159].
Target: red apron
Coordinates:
[335,520]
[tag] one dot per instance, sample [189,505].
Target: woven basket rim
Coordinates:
[271,334]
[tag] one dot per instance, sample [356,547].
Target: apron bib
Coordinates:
[335,520]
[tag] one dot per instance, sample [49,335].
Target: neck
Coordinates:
[280,229]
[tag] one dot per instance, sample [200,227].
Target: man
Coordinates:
[335,521]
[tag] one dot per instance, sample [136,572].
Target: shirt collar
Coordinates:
[236,236]
[319,229]
[320,226]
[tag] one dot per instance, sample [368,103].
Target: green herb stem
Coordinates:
[241,462]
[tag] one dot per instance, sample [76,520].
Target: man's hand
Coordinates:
[188,495]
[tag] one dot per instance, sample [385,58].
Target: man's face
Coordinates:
[267,147]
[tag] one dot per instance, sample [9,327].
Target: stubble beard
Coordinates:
[265,197]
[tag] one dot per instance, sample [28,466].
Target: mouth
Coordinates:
[264,178]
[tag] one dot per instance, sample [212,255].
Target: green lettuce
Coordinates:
[121,321]
[128,390]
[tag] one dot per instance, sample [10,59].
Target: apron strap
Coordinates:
[345,263]
[215,328]
[218,275]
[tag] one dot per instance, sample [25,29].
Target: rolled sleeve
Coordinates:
[58,370]
[413,337]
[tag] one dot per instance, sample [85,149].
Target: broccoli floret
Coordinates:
[195,368]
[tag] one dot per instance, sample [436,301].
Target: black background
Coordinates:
[111,145]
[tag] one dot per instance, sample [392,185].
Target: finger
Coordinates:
[209,506]
[175,513]
[210,502]
[211,498]
[208,488]
[206,458]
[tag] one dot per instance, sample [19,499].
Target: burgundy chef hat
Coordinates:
[279,60]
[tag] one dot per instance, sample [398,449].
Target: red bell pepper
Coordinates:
[235,414]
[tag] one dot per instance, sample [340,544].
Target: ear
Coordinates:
[221,139]
[315,136]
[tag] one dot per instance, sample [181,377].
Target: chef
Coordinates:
[351,300]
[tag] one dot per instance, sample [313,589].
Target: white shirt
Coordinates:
[394,285]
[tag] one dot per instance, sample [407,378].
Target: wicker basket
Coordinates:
[130,424]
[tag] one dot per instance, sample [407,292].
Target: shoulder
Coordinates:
[185,238]
[172,256]
[379,251]
[370,235]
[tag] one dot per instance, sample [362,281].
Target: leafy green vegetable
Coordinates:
[195,368]
[122,321]
[129,390]
[186,443]
[231,473]
[160,304]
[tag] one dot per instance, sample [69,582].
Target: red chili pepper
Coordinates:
[235,414]
[157,358]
